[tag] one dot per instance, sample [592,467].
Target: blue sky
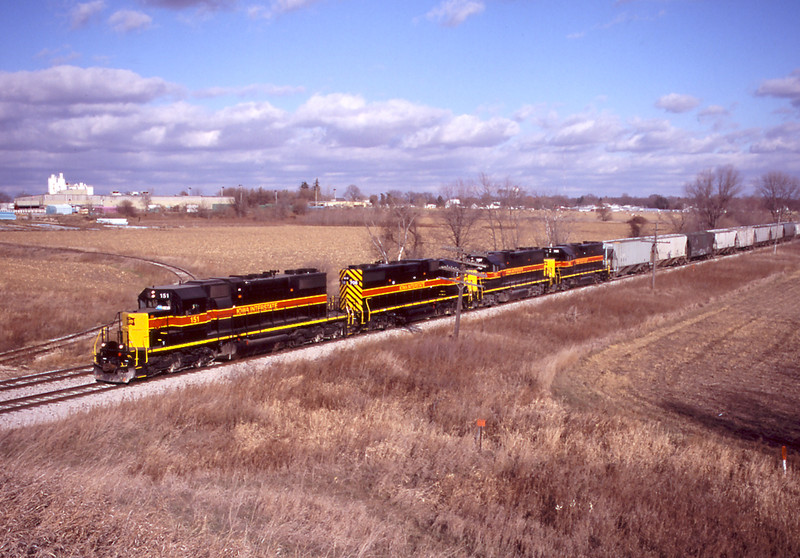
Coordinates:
[597,96]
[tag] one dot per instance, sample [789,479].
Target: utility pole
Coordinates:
[654,254]
[461,280]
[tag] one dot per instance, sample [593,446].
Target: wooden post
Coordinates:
[481,423]
[460,296]
[654,254]
[783,454]
[460,280]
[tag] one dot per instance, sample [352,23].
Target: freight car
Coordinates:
[194,323]
[699,245]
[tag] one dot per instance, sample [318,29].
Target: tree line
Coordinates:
[499,208]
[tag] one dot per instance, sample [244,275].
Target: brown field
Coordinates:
[49,293]
[619,422]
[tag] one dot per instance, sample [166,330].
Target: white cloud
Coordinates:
[198,138]
[714,110]
[781,139]
[82,13]
[98,119]
[64,85]
[125,21]
[278,8]
[452,13]
[582,130]
[349,120]
[782,88]
[677,103]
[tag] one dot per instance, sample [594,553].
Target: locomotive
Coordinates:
[200,321]
[197,322]
[194,323]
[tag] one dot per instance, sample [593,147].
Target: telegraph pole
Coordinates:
[654,254]
[460,280]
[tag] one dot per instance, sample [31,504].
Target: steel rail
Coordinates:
[48,397]
[43,377]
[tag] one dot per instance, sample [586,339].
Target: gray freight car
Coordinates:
[699,245]
[629,255]
[724,240]
[761,234]
[671,249]
[745,237]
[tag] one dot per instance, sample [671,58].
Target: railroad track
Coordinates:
[181,273]
[44,378]
[49,345]
[48,397]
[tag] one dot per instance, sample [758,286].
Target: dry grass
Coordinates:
[49,293]
[372,452]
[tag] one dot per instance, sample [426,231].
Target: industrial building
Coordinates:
[81,198]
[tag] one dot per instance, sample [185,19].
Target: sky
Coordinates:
[603,97]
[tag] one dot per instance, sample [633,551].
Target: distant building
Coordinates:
[58,185]
[82,199]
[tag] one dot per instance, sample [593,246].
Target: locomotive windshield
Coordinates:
[158,300]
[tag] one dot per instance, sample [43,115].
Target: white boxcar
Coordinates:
[745,237]
[671,249]
[629,255]
[761,233]
[724,240]
[789,230]
[775,232]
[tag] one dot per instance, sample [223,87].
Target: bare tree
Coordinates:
[604,212]
[459,214]
[126,208]
[554,229]
[636,224]
[393,231]
[778,192]
[711,193]
[353,193]
[503,210]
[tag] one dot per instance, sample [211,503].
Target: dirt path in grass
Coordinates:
[732,366]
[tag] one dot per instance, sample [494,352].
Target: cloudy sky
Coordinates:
[574,97]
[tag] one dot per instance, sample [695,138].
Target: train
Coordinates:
[197,322]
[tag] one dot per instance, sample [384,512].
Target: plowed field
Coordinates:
[732,365]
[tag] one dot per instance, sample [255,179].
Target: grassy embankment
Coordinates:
[372,452]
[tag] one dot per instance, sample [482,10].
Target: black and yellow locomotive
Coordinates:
[577,264]
[197,322]
[376,296]
[506,275]
[194,323]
